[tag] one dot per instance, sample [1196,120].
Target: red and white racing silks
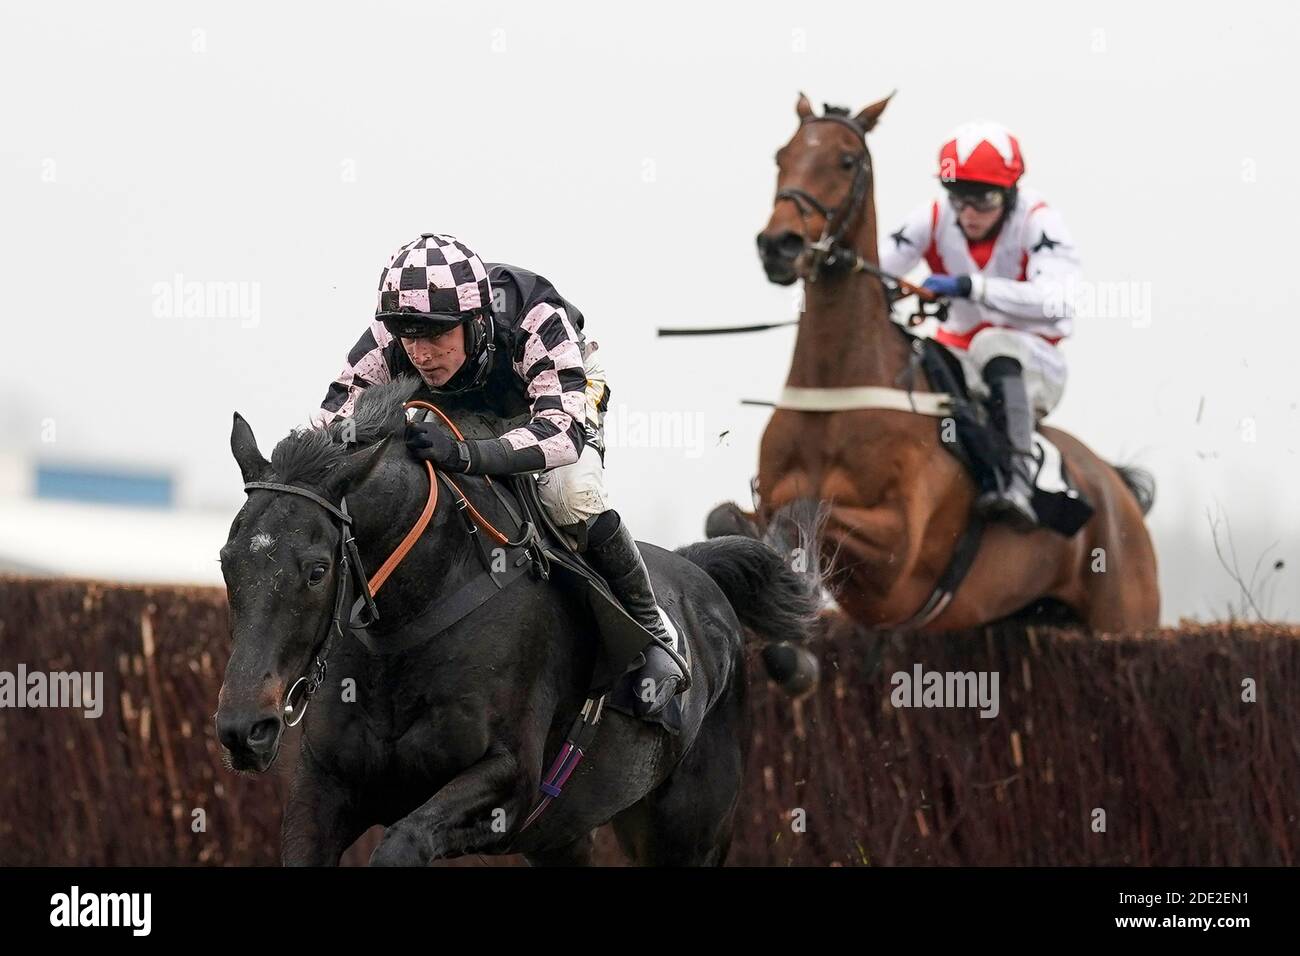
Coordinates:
[1023,278]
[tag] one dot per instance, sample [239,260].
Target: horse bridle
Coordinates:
[364,611]
[349,568]
[829,250]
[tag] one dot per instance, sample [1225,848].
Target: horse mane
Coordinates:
[307,454]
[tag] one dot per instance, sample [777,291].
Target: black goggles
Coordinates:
[422,325]
[981,200]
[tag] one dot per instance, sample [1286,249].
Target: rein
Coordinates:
[823,249]
[583,729]
[349,567]
[832,256]
[897,288]
[463,502]
[829,252]
[364,612]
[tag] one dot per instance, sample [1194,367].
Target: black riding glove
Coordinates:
[488,456]
[429,442]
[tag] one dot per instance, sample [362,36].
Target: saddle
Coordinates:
[981,448]
[553,556]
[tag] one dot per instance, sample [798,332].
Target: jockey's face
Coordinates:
[976,225]
[978,208]
[437,358]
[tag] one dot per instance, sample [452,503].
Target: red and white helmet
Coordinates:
[981,152]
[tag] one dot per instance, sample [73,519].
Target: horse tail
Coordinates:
[773,602]
[1141,483]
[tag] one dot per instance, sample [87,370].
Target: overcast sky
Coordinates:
[626,154]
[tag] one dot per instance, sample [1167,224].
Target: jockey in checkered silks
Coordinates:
[502,337]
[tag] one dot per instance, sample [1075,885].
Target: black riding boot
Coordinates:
[1013,500]
[615,556]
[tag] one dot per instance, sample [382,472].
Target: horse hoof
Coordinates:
[727,519]
[794,668]
[396,849]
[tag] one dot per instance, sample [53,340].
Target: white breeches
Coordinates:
[1043,363]
[573,493]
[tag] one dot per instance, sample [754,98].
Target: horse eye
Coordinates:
[848,161]
[317,574]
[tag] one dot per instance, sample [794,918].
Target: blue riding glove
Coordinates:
[950,287]
[428,441]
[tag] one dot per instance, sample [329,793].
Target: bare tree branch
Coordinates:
[1232,567]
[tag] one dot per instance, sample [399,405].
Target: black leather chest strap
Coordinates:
[450,610]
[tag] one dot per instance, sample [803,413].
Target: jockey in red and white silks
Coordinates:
[1007,262]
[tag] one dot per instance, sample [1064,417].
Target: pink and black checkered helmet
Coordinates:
[433,281]
[433,284]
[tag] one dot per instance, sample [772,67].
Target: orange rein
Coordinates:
[426,516]
[412,536]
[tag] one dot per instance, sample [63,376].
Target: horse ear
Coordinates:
[803,108]
[355,468]
[244,447]
[871,114]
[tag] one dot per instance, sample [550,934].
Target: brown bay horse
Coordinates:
[891,502]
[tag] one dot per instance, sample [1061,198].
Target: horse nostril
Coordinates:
[789,244]
[262,734]
[784,245]
[229,734]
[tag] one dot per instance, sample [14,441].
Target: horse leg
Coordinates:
[577,853]
[319,821]
[1113,583]
[688,819]
[1121,592]
[460,817]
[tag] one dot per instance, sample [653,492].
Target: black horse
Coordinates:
[445,743]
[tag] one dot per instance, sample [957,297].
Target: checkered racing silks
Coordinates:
[551,364]
[536,331]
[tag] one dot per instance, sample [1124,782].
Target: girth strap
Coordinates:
[963,557]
